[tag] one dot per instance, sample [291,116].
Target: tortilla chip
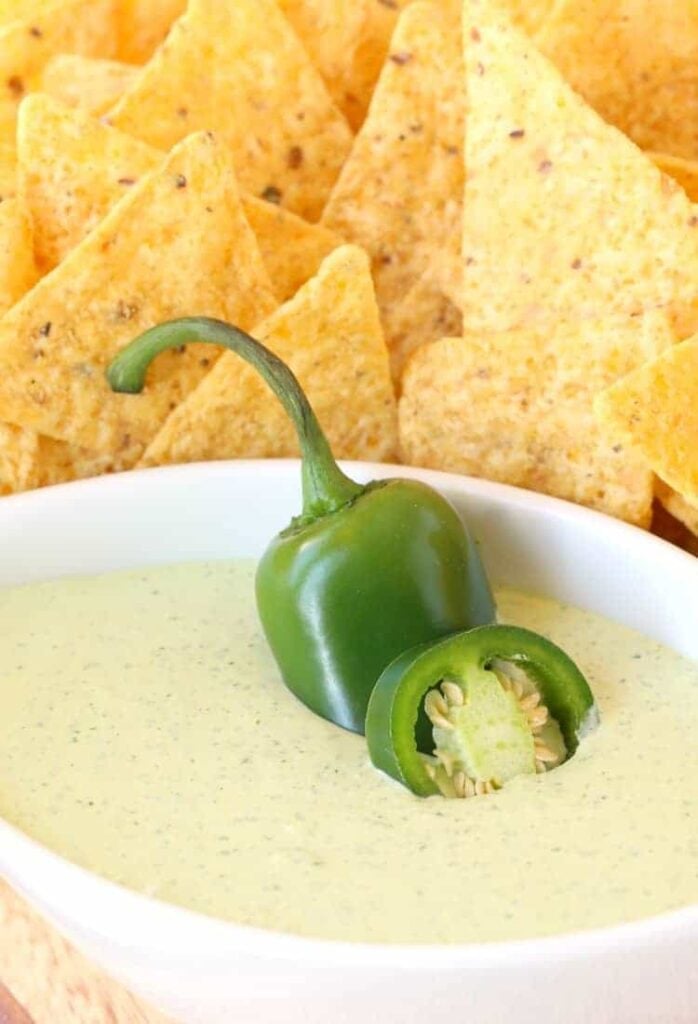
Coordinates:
[73,169]
[92,84]
[142,26]
[29,460]
[17,275]
[635,62]
[239,69]
[8,170]
[678,507]
[292,249]
[424,314]
[23,10]
[76,26]
[18,271]
[178,243]
[529,14]
[655,409]
[564,217]
[683,171]
[400,192]
[517,407]
[330,336]
[347,42]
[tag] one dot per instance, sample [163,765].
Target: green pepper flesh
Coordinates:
[398,696]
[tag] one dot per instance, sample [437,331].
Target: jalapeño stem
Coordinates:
[325,487]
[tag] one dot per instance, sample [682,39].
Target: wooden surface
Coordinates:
[43,980]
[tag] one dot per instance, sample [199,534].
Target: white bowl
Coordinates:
[205,971]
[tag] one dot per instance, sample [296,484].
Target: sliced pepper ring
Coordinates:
[462,658]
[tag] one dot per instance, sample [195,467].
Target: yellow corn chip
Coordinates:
[8,170]
[73,169]
[178,243]
[23,10]
[17,275]
[239,69]
[518,407]
[330,335]
[347,42]
[678,507]
[90,83]
[635,62]
[292,249]
[655,409]
[18,272]
[77,26]
[422,315]
[529,14]
[399,194]
[143,24]
[29,460]
[683,171]
[332,33]
[564,217]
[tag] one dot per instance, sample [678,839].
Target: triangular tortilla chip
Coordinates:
[75,26]
[399,194]
[292,249]
[655,409]
[347,41]
[90,83]
[240,70]
[517,407]
[24,10]
[8,170]
[142,26]
[29,460]
[635,62]
[179,243]
[683,171]
[330,336]
[18,271]
[423,314]
[564,217]
[73,169]
[529,14]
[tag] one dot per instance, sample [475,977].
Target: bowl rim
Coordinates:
[223,938]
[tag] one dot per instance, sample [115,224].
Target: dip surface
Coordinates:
[145,734]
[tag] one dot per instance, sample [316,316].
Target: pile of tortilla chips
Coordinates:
[467,226]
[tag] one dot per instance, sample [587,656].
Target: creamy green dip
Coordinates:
[145,734]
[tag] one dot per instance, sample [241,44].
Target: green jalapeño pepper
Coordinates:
[364,572]
[502,701]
